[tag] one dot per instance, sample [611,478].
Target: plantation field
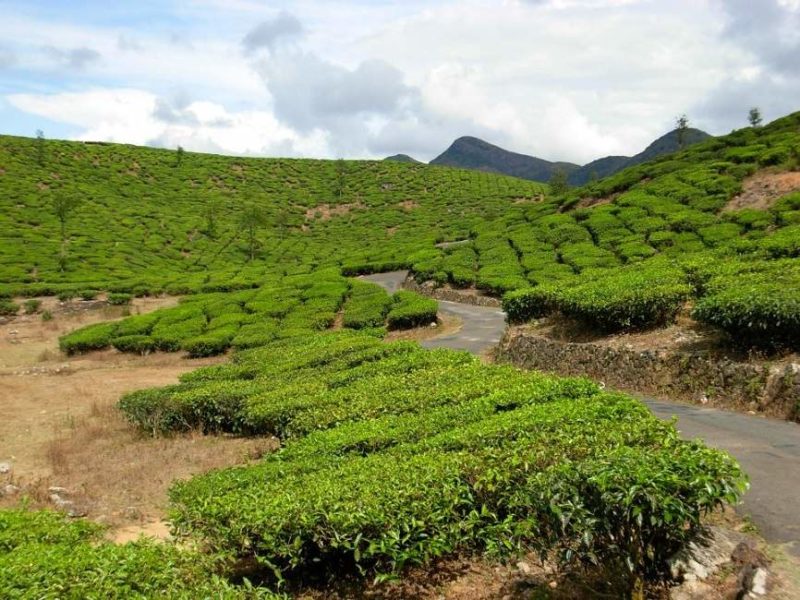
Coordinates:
[143,224]
[631,250]
[391,456]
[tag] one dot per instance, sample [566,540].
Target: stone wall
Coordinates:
[451,294]
[772,390]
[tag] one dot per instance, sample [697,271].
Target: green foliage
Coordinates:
[367,306]
[119,298]
[32,306]
[395,456]
[643,295]
[45,555]
[755,304]
[92,337]
[137,344]
[526,304]
[8,307]
[410,309]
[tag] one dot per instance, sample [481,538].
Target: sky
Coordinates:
[566,80]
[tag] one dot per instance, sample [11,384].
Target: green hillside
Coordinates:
[142,222]
[630,250]
[393,456]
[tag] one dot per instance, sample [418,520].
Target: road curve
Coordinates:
[767,449]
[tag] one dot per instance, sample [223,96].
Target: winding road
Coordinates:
[767,449]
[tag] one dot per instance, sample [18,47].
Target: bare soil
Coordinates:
[445,325]
[684,335]
[762,190]
[59,426]
[324,212]
[408,205]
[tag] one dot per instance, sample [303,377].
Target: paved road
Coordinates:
[768,449]
[481,328]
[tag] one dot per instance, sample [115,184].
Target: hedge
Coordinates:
[410,309]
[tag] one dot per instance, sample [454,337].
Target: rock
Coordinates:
[5,467]
[133,513]
[10,490]
[57,490]
[702,558]
[524,567]
[759,583]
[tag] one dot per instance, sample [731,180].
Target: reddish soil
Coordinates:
[762,190]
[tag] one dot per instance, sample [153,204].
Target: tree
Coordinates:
[210,214]
[40,141]
[341,175]
[558,182]
[682,127]
[251,219]
[63,206]
[179,156]
[754,117]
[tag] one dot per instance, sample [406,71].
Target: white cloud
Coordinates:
[560,79]
[132,116]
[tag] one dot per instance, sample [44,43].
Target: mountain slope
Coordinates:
[473,153]
[666,144]
[404,158]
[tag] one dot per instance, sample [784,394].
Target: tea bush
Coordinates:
[45,555]
[395,456]
[409,309]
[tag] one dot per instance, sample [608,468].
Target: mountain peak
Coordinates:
[468,152]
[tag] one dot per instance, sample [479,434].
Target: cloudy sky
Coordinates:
[561,79]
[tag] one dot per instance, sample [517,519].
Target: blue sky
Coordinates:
[561,79]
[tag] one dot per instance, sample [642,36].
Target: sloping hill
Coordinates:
[666,144]
[630,250]
[142,221]
[405,158]
[473,153]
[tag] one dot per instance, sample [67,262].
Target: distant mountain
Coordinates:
[473,153]
[402,158]
[602,167]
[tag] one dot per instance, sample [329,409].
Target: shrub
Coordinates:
[47,315]
[755,309]
[138,344]
[31,306]
[367,306]
[88,294]
[86,339]
[119,298]
[646,295]
[409,309]
[524,305]
[395,457]
[8,307]
[43,554]
[211,343]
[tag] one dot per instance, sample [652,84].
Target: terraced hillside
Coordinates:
[142,222]
[393,456]
[630,250]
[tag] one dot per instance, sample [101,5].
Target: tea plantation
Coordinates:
[392,456]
